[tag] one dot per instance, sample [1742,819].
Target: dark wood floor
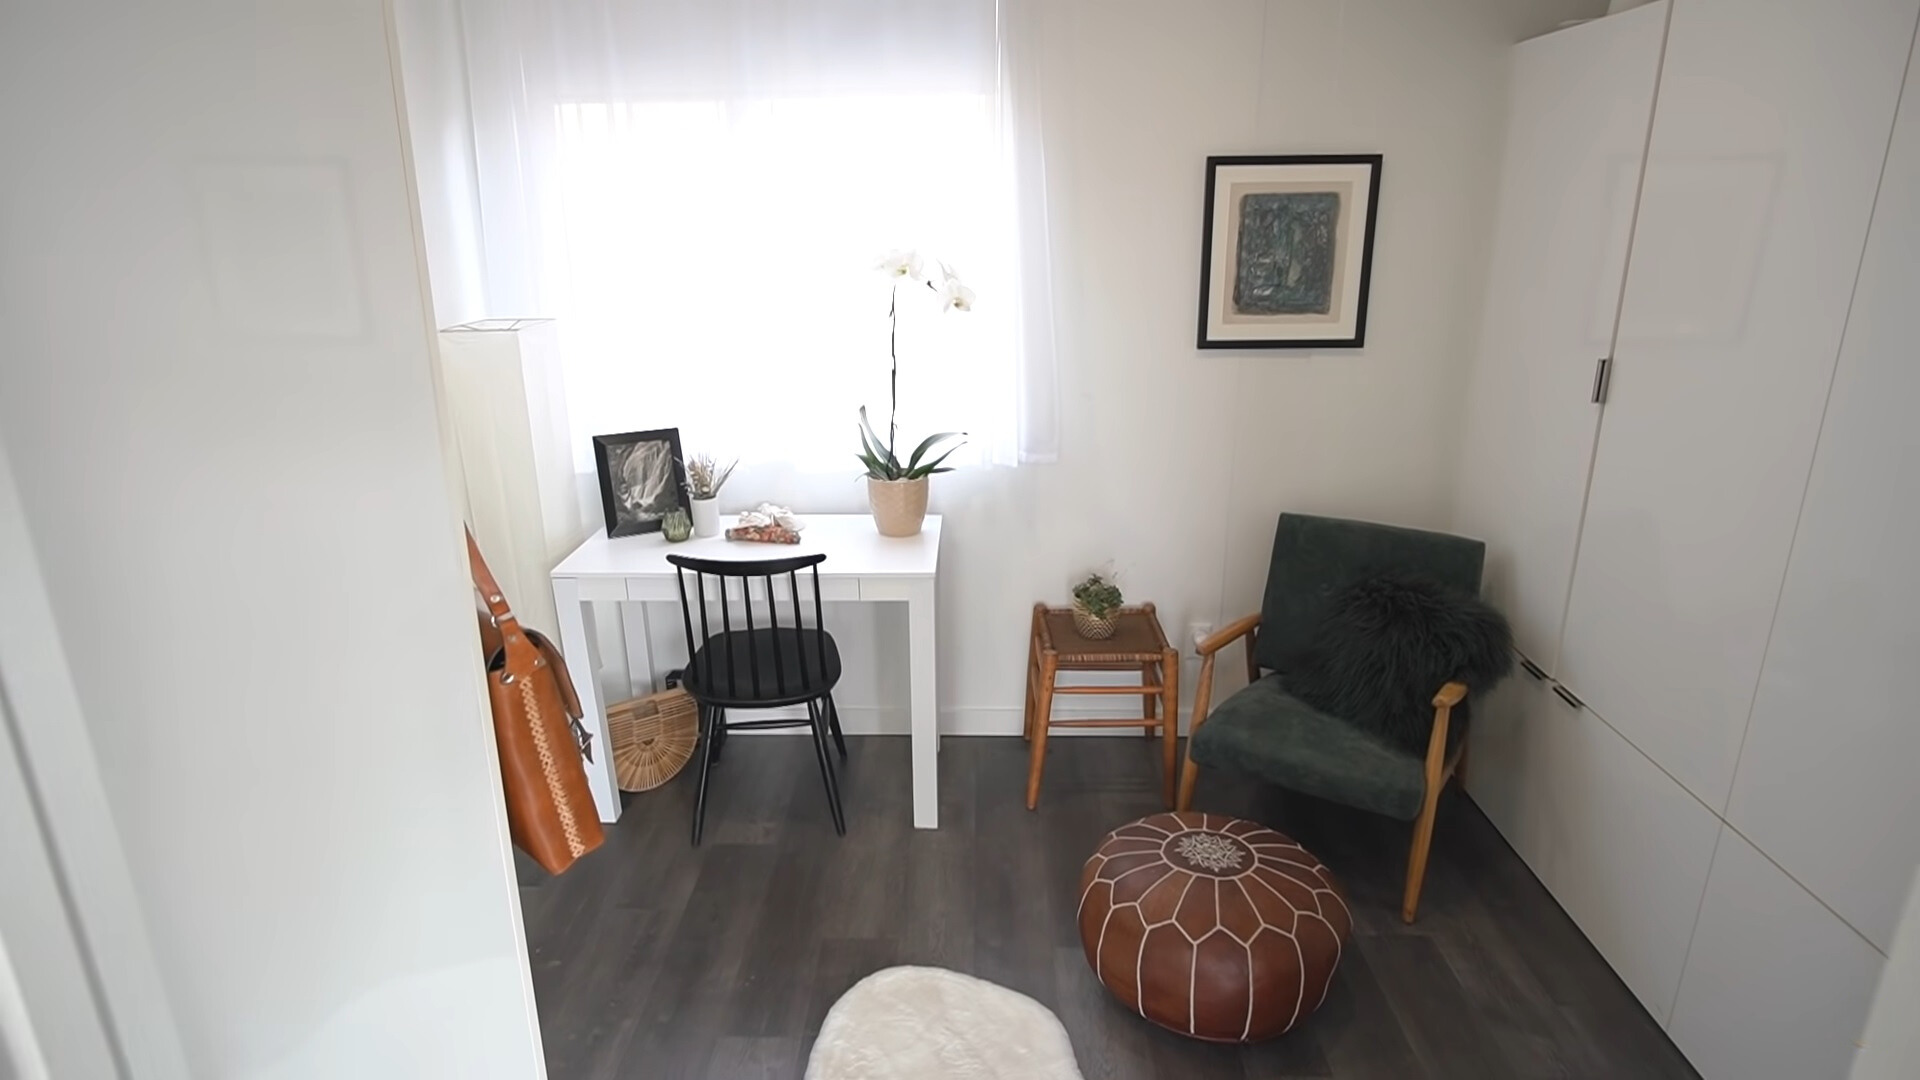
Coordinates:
[655,959]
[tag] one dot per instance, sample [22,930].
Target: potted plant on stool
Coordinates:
[896,491]
[1095,602]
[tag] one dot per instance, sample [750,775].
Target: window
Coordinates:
[701,198]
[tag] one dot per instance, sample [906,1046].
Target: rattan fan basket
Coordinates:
[653,738]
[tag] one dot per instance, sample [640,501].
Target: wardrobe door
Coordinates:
[1627,851]
[1775,984]
[1768,137]
[1623,848]
[1825,784]
[1511,755]
[1579,102]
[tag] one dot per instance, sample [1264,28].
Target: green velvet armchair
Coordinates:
[1263,731]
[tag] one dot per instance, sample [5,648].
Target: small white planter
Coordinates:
[706,517]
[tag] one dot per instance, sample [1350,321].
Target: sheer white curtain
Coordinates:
[699,190]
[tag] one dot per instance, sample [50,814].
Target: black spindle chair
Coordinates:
[756,663]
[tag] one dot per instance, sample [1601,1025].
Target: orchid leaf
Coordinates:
[883,464]
[930,467]
[928,443]
[880,450]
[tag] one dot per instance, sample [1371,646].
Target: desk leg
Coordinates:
[925,706]
[633,625]
[586,683]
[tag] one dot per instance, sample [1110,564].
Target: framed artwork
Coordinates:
[1286,252]
[642,479]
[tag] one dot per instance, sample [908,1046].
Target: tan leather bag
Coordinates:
[536,724]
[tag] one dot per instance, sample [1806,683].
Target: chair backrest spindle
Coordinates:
[700,586]
[793,587]
[818,620]
[773,609]
[753,645]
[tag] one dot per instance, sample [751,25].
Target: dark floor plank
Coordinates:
[739,1058]
[653,958]
[1352,1031]
[1439,1021]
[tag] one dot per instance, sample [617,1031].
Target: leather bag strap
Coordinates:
[522,656]
[490,593]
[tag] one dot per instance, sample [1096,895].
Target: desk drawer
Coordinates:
[651,588]
[596,588]
[832,589]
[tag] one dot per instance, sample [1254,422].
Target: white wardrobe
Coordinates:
[1708,543]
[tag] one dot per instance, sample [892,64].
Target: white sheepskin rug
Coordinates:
[923,1023]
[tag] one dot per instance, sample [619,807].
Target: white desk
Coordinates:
[861,566]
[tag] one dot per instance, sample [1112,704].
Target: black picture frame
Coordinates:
[665,481]
[1216,288]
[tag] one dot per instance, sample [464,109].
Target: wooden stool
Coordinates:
[1138,644]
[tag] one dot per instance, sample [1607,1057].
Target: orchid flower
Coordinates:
[954,296]
[901,265]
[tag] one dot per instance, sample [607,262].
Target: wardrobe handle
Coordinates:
[1602,379]
[1567,696]
[1533,669]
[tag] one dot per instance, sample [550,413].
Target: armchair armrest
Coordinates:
[1229,634]
[1450,695]
[1438,768]
[1208,649]
[1248,628]
[1437,771]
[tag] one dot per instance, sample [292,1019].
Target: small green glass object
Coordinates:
[677,526]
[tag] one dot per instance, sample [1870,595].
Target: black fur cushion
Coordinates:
[1387,644]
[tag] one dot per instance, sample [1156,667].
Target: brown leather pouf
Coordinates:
[1211,926]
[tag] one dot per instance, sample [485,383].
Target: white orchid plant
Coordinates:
[905,269]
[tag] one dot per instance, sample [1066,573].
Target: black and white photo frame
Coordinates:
[643,478]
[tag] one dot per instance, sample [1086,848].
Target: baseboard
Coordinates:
[959,720]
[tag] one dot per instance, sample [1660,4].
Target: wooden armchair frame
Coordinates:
[1440,767]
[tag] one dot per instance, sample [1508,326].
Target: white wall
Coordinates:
[440,129]
[1175,464]
[216,394]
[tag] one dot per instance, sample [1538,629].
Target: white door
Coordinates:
[1775,984]
[1825,781]
[1579,103]
[1623,848]
[49,1024]
[1766,150]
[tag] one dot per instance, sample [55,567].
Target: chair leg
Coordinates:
[1417,855]
[1042,715]
[1188,775]
[833,721]
[1147,701]
[712,718]
[1170,718]
[719,734]
[826,767]
[1033,683]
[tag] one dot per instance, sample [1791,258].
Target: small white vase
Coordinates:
[706,517]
